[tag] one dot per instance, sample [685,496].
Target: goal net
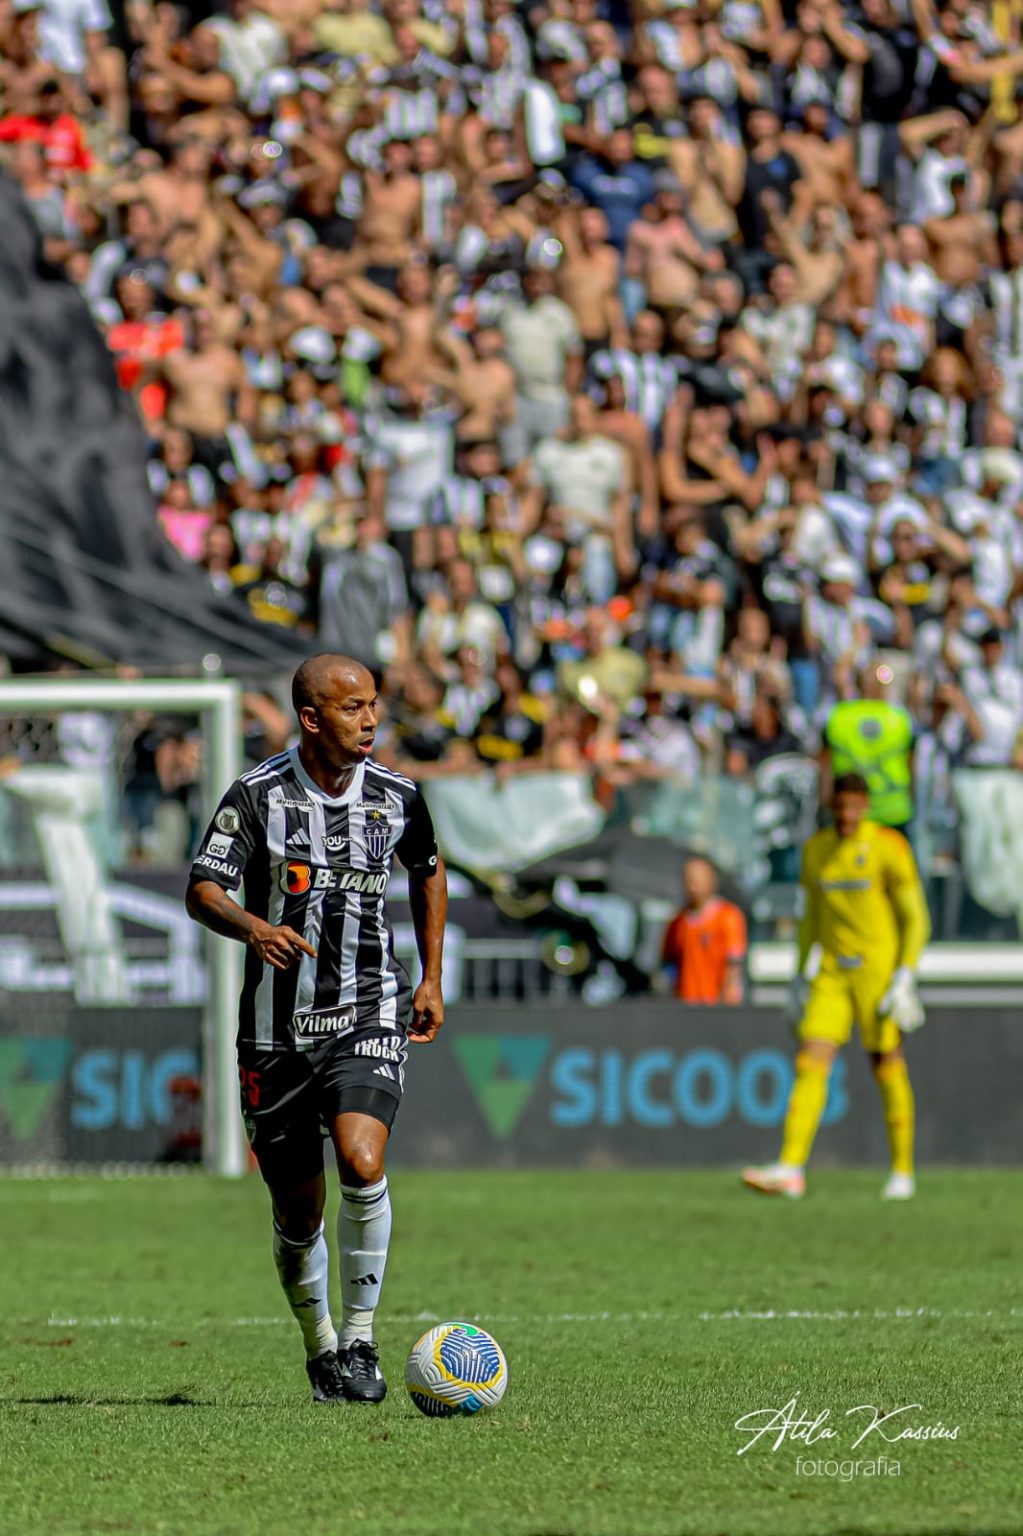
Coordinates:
[116,1012]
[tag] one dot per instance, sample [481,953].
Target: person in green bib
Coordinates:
[873,736]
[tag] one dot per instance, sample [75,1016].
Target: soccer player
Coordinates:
[325,1007]
[865,909]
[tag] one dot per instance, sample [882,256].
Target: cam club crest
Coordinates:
[377,833]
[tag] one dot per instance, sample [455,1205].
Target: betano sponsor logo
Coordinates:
[296,879]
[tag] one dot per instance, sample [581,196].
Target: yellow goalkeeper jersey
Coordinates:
[864,902]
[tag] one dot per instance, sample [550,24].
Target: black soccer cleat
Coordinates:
[361,1377]
[325,1375]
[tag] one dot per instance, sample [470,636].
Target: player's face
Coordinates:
[346,722]
[698,882]
[849,809]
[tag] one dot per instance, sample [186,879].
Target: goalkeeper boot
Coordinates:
[361,1377]
[776,1179]
[325,1377]
[900,1186]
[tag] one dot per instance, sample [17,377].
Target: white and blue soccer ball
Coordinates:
[456,1368]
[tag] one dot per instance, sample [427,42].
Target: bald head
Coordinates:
[335,699]
[325,676]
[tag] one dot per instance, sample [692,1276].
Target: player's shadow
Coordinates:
[81,1400]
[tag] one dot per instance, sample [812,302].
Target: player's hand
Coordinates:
[279,947]
[901,1003]
[427,1012]
[799,996]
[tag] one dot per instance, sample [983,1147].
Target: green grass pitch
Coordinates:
[151,1378]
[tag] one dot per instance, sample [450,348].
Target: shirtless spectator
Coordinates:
[207,390]
[390,217]
[589,278]
[711,167]
[180,193]
[410,351]
[826,161]
[664,258]
[962,243]
[482,381]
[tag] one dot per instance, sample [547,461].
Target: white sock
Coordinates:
[303,1267]
[363,1233]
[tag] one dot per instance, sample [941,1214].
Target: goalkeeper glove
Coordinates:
[901,1003]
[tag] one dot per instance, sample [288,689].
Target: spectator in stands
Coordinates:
[704,947]
[473,323]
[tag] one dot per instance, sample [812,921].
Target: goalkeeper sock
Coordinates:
[899,1110]
[363,1235]
[303,1268]
[806,1105]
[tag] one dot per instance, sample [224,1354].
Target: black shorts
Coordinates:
[291,1098]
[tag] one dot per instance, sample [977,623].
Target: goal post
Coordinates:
[217,705]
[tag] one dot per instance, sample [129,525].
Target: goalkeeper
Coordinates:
[866,918]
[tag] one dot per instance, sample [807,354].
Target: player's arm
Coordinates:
[737,942]
[209,904]
[808,935]
[809,923]
[428,899]
[219,867]
[901,1001]
[907,898]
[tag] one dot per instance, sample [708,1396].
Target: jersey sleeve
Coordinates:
[230,839]
[417,845]
[905,892]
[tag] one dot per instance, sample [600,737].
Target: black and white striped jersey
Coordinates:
[319,865]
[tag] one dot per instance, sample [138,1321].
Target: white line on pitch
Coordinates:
[730,1315]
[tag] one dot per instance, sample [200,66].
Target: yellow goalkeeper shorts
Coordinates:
[839,999]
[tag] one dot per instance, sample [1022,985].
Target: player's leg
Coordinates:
[303,1267]
[883,1042]
[359,1085]
[364,1234]
[285,1137]
[825,1027]
[897,1102]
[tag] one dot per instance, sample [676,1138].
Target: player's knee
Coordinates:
[820,1052]
[879,1060]
[297,1226]
[296,1215]
[362,1163]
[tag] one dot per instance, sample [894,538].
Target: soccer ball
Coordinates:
[455,1369]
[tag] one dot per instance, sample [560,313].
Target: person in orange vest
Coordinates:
[705,943]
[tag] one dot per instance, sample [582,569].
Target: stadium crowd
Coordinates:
[629,386]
